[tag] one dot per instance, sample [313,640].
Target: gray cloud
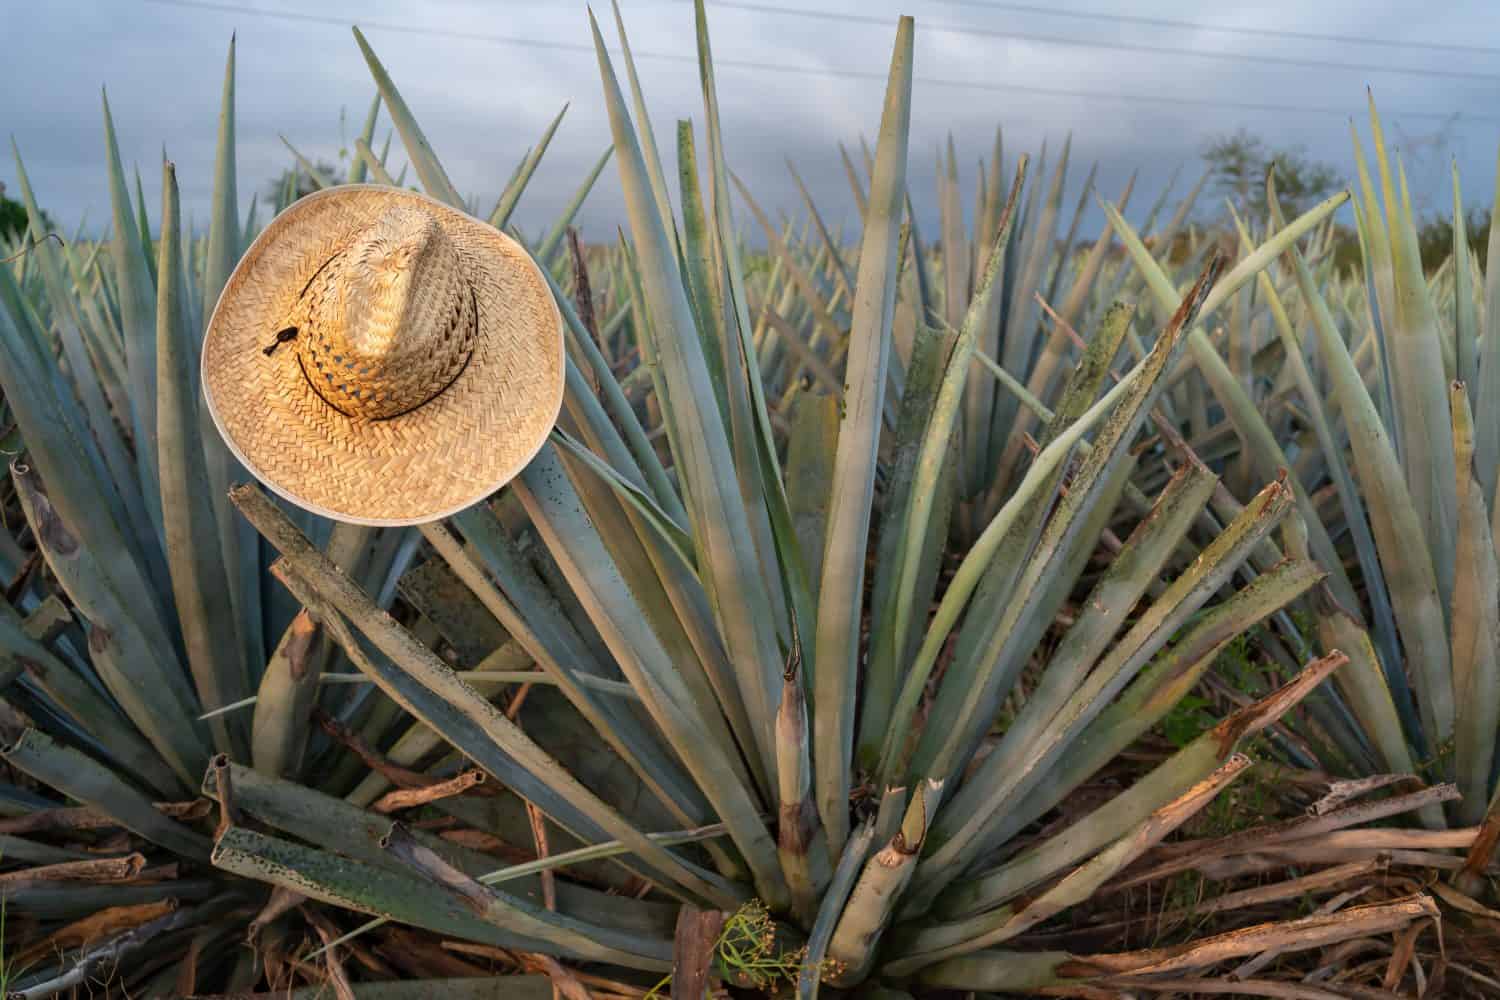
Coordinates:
[482,104]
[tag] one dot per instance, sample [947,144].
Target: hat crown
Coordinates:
[390,321]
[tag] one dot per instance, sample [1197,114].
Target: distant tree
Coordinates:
[1435,237]
[12,216]
[13,221]
[1238,164]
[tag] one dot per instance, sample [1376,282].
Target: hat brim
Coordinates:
[447,454]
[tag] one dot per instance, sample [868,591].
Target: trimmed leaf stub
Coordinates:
[693,947]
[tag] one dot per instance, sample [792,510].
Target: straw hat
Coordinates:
[378,357]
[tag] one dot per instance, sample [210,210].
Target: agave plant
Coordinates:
[713,646]
[1381,385]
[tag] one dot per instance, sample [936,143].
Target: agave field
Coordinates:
[993,609]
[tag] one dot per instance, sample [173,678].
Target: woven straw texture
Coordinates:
[494,324]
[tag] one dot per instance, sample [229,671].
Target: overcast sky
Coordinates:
[483,101]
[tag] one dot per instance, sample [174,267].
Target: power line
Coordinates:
[1167,22]
[977,31]
[405,29]
[818,71]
